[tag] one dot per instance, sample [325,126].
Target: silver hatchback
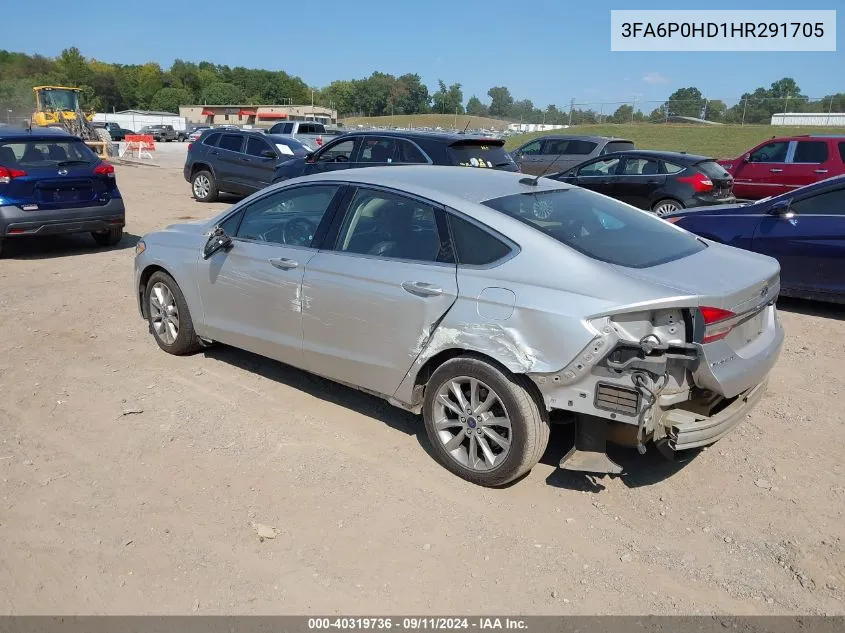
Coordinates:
[440,290]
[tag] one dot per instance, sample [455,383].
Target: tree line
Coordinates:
[107,87]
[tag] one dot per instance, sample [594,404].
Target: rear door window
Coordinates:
[640,167]
[828,203]
[479,154]
[810,152]
[600,227]
[378,150]
[576,147]
[233,142]
[410,153]
[532,148]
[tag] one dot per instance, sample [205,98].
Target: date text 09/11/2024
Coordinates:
[417,623]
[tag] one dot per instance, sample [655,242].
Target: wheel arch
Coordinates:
[202,166]
[664,199]
[431,364]
[144,279]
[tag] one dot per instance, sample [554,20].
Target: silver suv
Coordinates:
[537,155]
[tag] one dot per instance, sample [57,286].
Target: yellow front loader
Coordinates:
[58,106]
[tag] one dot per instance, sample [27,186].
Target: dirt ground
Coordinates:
[132,481]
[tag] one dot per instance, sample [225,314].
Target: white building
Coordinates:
[136,119]
[834,119]
[534,127]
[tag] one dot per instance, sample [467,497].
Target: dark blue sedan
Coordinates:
[803,229]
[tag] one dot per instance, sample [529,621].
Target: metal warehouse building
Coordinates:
[832,119]
[259,116]
[136,119]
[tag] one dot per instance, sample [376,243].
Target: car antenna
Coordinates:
[533,181]
[466,127]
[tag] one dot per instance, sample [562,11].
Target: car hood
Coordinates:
[719,276]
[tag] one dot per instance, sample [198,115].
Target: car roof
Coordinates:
[575,137]
[37,133]
[673,157]
[436,136]
[469,184]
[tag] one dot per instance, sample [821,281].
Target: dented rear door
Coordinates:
[370,303]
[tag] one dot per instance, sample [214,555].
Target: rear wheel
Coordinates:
[483,424]
[204,187]
[109,237]
[666,206]
[169,317]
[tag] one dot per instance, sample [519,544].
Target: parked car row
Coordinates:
[244,161]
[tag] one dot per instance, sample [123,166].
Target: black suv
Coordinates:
[236,161]
[377,148]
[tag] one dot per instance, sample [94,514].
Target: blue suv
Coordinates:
[51,183]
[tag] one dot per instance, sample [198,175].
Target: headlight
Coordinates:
[140,247]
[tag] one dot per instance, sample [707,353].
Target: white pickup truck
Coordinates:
[311,134]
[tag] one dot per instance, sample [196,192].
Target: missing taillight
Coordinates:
[717,323]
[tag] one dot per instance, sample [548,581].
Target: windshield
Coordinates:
[600,227]
[42,153]
[55,100]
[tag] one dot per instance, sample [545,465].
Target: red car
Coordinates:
[783,164]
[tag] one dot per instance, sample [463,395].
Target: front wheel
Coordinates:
[483,424]
[665,207]
[170,320]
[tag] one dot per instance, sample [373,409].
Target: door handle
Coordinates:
[215,153]
[653,182]
[775,170]
[284,263]
[421,288]
[246,160]
[821,171]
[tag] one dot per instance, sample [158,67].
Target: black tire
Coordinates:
[529,421]
[109,238]
[212,191]
[186,340]
[655,208]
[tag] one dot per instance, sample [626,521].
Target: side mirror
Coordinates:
[217,240]
[782,209]
[310,158]
[268,153]
[746,158]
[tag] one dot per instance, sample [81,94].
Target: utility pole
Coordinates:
[571,105]
[456,117]
[633,109]
[829,109]
[744,106]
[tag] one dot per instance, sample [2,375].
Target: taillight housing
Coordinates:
[700,183]
[190,145]
[319,141]
[718,323]
[7,174]
[104,169]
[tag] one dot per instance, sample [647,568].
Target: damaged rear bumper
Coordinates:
[686,429]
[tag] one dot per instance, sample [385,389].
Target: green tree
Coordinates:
[415,99]
[73,66]
[686,102]
[623,114]
[475,107]
[169,99]
[501,101]
[150,81]
[221,93]
[448,100]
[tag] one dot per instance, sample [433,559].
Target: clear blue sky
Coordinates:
[546,50]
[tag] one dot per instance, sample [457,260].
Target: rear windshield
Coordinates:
[712,169]
[600,227]
[617,146]
[480,154]
[44,153]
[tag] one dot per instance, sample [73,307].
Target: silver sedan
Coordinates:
[489,302]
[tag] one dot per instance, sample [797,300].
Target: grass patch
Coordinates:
[722,141]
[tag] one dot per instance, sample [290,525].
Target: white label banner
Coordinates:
[704,30]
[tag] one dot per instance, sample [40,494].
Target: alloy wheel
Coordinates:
[202,186]
[164,314]
[665,208]
[471,422]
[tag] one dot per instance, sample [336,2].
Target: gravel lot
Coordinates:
[134,481]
